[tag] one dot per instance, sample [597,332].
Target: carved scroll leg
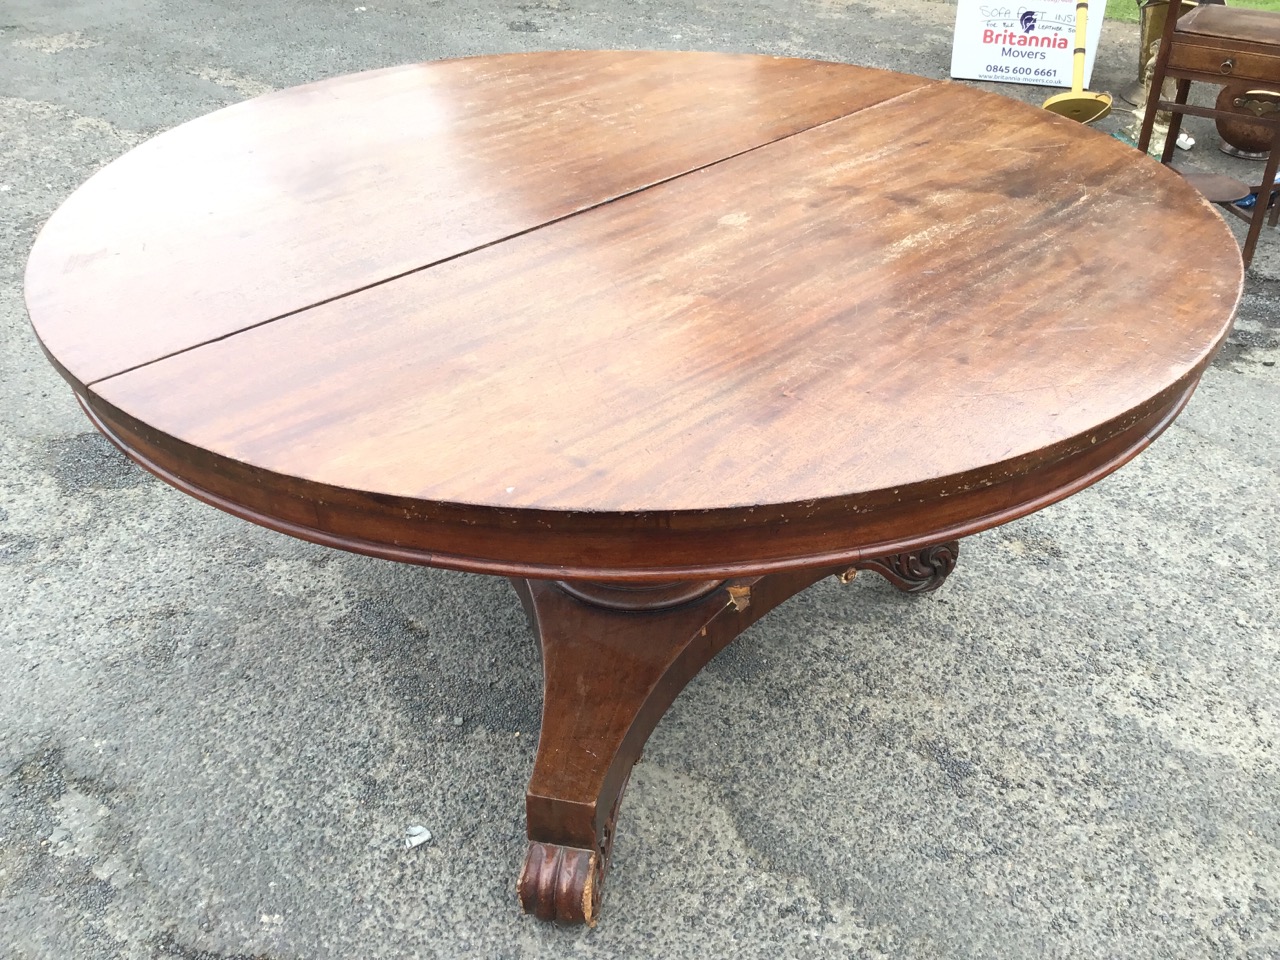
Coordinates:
[612,665]
[916,572]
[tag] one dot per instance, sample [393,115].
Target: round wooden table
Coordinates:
[664,337]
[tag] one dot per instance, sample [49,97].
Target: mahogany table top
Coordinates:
[632,315]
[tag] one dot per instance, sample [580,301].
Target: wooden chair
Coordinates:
[1222,45]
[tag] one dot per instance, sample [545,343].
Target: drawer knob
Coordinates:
[1228,65]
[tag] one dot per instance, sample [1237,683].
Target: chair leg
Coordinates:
[1175,121]
[1261,207]
[1148,118]
[1153,96]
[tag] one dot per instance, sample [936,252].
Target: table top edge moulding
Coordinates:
[654,547]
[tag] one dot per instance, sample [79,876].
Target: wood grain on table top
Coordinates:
[880,301]
[293,198]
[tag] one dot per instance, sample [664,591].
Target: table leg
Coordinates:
[614,659]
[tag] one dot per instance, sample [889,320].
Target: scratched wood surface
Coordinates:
[928,314]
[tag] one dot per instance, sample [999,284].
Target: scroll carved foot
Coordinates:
[564,884]
[561,884]
[614,659]
[919,571]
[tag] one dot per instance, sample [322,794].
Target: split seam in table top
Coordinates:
[520,233]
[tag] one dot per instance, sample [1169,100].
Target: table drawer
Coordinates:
[1225,62]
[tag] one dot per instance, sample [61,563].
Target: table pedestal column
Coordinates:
[614,658]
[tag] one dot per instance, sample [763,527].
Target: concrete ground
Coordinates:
[212,738]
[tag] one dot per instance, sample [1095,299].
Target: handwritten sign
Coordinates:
[1029,43]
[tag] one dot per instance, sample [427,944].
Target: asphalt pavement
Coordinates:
[213,737]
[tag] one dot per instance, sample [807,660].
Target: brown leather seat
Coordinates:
[1231,23]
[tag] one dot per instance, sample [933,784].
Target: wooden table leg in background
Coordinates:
[614,658]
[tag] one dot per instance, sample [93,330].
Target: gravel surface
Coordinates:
[213,739]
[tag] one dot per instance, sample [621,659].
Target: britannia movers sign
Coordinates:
[1029,43]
